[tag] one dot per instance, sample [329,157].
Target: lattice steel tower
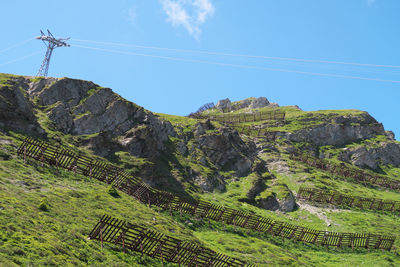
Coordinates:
[52,43]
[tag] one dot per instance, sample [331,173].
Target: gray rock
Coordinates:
[209,184]
[61,117]
[203,161]
[202,127]
[96,103]
[387,153]
[273,105]
[244,103]
[259,167]
[182,148]
[257,187]
[287,204]
[199,129]
[269,203]
[259,102]
[140,142]
[68,91]
[390,135]
[283,201]
[36,87]
[84,108]
[278,165]
[227,151]
[16,111]
[224,104]
[114,119]
[343,130]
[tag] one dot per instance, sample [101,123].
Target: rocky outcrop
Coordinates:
[16,112]
[61,117]
[388,153]
[338,131]
[260,102]
[209,184]
[257,187]
[68,91]
[201,127]
[224,104]
[84,108]
[227,151]
[146,140]
[278,197]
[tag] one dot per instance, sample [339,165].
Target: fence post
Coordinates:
[123,242]
[141,246]
[101,236]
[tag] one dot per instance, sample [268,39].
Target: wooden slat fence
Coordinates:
[335,198]
[244,117]
[265,133]
[137,188]
[139,239]
[345,171]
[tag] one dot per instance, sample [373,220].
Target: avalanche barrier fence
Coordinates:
[63,158]
[243,117]
[156,245]
[338,199]
[342,170]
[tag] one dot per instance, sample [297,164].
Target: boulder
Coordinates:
[224,105]
[278,197]
[269,203]
[258,186]
[260,102]
[227,151]
[388,153]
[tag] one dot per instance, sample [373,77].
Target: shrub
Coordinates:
[112,191]
[44,205]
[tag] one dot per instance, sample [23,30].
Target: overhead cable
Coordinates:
[22,58]
[240,55]
[234,65]
[16,45]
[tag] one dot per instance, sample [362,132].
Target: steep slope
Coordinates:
[244,165]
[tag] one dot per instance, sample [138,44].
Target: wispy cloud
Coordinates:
[131,14]
[370,2]
[190,14]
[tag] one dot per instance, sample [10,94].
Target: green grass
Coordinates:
[5,79]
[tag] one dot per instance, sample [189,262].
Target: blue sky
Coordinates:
[178,82]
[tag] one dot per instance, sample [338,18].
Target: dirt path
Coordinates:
[319,212]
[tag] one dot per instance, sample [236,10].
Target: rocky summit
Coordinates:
[236,154]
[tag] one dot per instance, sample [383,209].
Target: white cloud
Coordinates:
[370,2]
[190,14]
[131,15]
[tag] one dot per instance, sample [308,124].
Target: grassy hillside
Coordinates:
[57,234]
[46,214]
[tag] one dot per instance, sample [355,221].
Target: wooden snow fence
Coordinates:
[337,199]
[345,171]
[156,245]
[228,118]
